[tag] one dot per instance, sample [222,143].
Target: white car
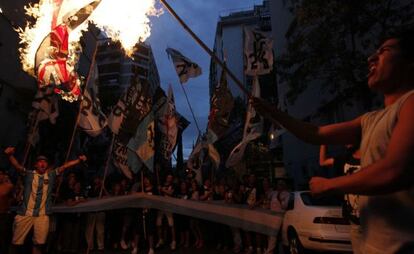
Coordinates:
[315,224]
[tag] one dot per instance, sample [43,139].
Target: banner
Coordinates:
[258,220]
[258,52]
[184,67]
[252,130]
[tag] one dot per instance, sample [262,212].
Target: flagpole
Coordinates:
[143,214]
[108,159]
[75,127]
[207,49]
[191,109]
[102,188]
[80,104]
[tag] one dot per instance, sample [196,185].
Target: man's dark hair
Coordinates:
[405,36]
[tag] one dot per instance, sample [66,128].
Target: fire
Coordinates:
[126,21]
[32,35]
[129,23]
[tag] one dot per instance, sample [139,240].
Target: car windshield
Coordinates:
[320,201]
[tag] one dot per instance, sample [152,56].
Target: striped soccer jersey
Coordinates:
[37,193]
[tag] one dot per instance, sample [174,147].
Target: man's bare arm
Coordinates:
[70,164]
[10,155]
[335,134]
[392,173]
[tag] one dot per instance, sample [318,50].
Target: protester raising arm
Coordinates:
[69,164]
[334,134]
[10,154]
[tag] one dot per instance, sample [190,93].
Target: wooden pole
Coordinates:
[108,159]
[191,109]
[78,116]
[207,49]
[143,213]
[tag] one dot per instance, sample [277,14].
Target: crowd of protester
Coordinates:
[133,230]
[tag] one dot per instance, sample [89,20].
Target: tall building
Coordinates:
[229,46]
[117,70]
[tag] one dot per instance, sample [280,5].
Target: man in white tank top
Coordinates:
[385,181]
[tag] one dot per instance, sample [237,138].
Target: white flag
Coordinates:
[91,120]
[252,129]
[184,67]
[258,53]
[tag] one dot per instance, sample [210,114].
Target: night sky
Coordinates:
[202,17]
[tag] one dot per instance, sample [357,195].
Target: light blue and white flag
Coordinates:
[143,143]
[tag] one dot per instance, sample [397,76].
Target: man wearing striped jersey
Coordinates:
[34,211]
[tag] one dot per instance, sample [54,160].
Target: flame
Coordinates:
[126,21]
[32,35]
[129,23]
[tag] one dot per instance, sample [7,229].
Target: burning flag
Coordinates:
[53,64]
[50,46]
[184,67]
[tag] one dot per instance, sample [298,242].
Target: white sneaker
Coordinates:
[151,251]
[173,245]
[159,244]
